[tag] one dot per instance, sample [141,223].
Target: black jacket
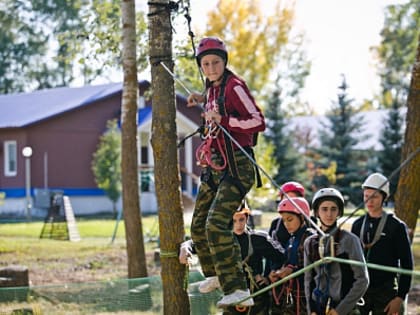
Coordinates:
[392,249]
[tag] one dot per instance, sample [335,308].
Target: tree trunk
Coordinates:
[129,169]
[167,180]
[407,199]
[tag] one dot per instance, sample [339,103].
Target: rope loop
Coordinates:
[157,59]
[168,254]
[167,7]
[204,153]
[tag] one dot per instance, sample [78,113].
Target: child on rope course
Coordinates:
[255,246]
[385,242]
[227,174]
[333,288]
[289,297]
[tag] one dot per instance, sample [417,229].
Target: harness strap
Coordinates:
[323,299]
[250,249]
[233,168]
[207,177]
[378,232]
[199,130]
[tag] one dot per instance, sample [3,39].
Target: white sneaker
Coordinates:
[235,297]
[208,285]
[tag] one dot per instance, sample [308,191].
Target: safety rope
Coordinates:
[191,35]
[329,259]
[168,254]
[288,289]
[174,254]
[204,152]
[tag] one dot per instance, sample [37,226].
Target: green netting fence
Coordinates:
[132,296]
[125,296]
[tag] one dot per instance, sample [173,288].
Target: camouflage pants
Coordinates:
[211,227]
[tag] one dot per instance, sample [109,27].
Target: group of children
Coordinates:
[241,262]
[292,244]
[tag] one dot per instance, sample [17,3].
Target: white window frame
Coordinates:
[10,152]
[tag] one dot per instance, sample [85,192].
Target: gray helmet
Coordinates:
[379,182]
[328,194]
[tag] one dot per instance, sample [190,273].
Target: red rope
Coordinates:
[289,289]
[203,154]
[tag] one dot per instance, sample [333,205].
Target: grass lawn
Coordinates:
[94,258]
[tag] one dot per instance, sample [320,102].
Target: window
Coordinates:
[10,158]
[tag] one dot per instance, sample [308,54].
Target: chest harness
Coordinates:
[321,247]
[293,285]
[364,230]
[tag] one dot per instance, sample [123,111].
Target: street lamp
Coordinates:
[27,153]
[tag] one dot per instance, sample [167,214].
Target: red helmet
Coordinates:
[292,187]
[211,45]
[287,206]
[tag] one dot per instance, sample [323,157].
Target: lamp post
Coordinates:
[27,153]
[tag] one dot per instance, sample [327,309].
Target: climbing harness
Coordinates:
[364,231]
[291,291]
[287,290]
[378,232]
[324,242]
[204,152]
[326,248]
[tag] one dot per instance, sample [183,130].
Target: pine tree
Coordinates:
[337,145]
[285,155]
[391,139]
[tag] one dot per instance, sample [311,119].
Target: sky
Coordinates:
[339,34]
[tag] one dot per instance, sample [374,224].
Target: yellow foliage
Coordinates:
[2,197]
[330,172]
[254,39]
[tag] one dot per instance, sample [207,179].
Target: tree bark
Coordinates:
[167,179]
[129,169]
[407,199]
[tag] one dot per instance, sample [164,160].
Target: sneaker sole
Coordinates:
[246,303]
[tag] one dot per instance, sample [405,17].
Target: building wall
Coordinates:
[20,136]
[63,148]
[69,142]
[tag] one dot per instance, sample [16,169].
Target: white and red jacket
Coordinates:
[243,117]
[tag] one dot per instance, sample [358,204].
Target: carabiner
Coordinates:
[203,155]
